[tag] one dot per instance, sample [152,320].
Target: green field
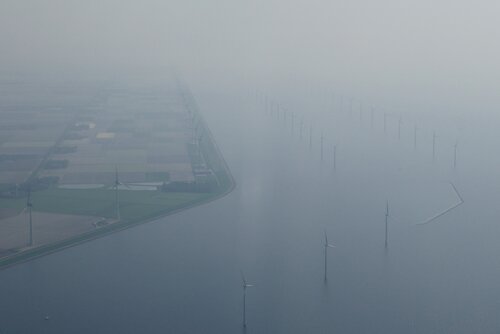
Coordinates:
[134,204]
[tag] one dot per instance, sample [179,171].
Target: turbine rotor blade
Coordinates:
[125,185]
[439,214]
[445,211]
[456,192]
[243,278]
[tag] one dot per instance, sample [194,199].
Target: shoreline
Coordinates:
[28,255]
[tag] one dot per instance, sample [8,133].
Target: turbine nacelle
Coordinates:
[327,244]
[245,283]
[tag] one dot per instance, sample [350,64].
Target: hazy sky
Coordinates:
[424,50]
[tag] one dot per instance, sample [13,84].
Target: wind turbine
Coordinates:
[360,112]
[195,132]
[399,128]
[415,137]
[301,126]
[455,156]
[385,122]
[310,136]
[386,223]
[29,208]
[371,118]
[322,146]
[334,157]
[198,144]
[434,146]
[245,286]
[327,245]
[117,201]
[387,216]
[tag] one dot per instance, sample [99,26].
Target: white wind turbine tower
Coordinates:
[385,122]
[386,223]
[455,155]
[29,208]
[387,216]
[117,200]
[327,245]
[434,136]
[245,286]
[322,139]
[116,186]
[301,126]
[360,112]
[334,157]
[399,127]
[198,146]
[371,117]
[310,136]
[415,137]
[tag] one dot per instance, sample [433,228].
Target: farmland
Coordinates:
[85,158]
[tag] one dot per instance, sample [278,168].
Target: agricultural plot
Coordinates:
[49,227]
[144,136]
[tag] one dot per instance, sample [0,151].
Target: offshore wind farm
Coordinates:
[281,167]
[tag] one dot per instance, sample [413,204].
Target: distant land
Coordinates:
[84,159]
